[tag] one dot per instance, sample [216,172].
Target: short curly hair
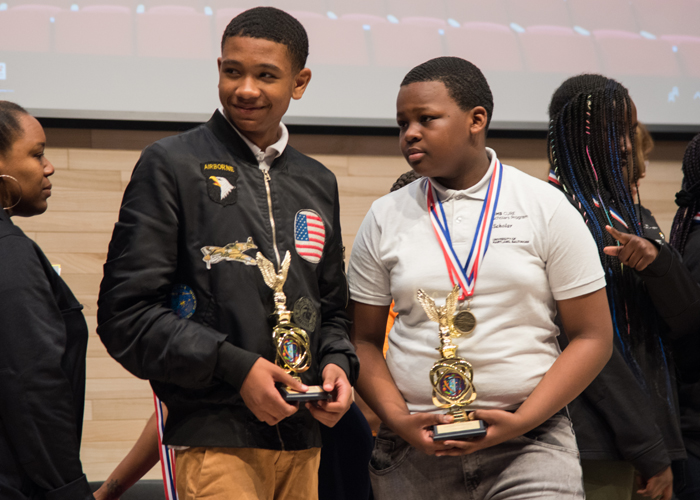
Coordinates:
[275,25]
[465,83]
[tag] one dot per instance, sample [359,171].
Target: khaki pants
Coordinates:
[247,474]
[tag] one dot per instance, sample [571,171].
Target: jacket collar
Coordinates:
[233,142]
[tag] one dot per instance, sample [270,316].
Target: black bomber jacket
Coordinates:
[183,303]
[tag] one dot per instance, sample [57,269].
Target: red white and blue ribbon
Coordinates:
[696,218]
[613,214]
[167,455]
[465,275]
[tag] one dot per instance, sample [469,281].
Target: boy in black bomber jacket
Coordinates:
[198,209]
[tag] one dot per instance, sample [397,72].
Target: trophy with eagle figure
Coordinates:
[292,345]
[451,376]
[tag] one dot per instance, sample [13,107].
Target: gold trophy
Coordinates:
[291,342]
[451,376]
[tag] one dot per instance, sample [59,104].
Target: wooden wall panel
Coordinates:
[94,166]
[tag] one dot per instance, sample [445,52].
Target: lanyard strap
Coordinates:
[465,275]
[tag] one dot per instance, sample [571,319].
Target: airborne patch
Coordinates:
[221,182]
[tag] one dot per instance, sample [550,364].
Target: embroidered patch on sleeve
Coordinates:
[309,235]
[183,301]
[221,182]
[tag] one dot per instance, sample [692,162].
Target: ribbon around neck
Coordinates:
[465,275]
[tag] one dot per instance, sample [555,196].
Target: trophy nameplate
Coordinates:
[451,376]
[292,346]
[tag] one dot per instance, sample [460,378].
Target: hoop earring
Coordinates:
[6,193]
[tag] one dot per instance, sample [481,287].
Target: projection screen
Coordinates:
[156,59]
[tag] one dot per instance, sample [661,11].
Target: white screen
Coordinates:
[156,59]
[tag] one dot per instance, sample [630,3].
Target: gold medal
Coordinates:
[464,322]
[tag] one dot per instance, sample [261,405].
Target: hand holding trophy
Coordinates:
[291,342]
[451,376]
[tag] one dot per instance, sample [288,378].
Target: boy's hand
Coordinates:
[658,487]
[501,426]
[634,251]
[336,383]
[262,397]
[417,430]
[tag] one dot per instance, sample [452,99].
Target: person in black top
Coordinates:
[685,237]
[200,207]
[627,418]
[43,335]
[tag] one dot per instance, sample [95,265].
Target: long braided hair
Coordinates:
[589,132]
[688,198]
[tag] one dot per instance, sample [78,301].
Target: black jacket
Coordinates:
[615,418]
[687,356]
[188,195]
[43,339]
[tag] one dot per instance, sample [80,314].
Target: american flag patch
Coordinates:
[696,218]
[309,235]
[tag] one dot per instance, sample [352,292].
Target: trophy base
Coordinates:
[469,429]
[315,393]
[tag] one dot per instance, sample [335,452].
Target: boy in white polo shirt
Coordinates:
[533,258]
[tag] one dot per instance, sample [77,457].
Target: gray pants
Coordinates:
[542,464]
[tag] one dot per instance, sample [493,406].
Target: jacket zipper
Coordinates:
[266,176]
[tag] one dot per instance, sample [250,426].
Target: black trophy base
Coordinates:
[469,429]
[315,393]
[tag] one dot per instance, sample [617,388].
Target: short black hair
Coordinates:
[10,128]
[275,25]
[465,83]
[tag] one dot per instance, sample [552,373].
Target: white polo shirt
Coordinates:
[540,252]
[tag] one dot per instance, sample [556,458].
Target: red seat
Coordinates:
[316,6]
[603,15]
[174,31]
[471,11]
[97,29]
[405,45]
[371,7]
[625,53]
[669,17]
[490,46]
[538,12]
[335,41]
[364,19]
[558,49]
[27,28]
[425,21]
[402,8]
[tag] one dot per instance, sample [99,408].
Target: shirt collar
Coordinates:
[274,151]
[475,192]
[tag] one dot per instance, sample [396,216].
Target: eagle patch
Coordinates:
[221,181]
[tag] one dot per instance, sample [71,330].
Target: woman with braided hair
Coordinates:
[685,237]
[627,419]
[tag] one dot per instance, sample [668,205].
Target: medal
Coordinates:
[464,322]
